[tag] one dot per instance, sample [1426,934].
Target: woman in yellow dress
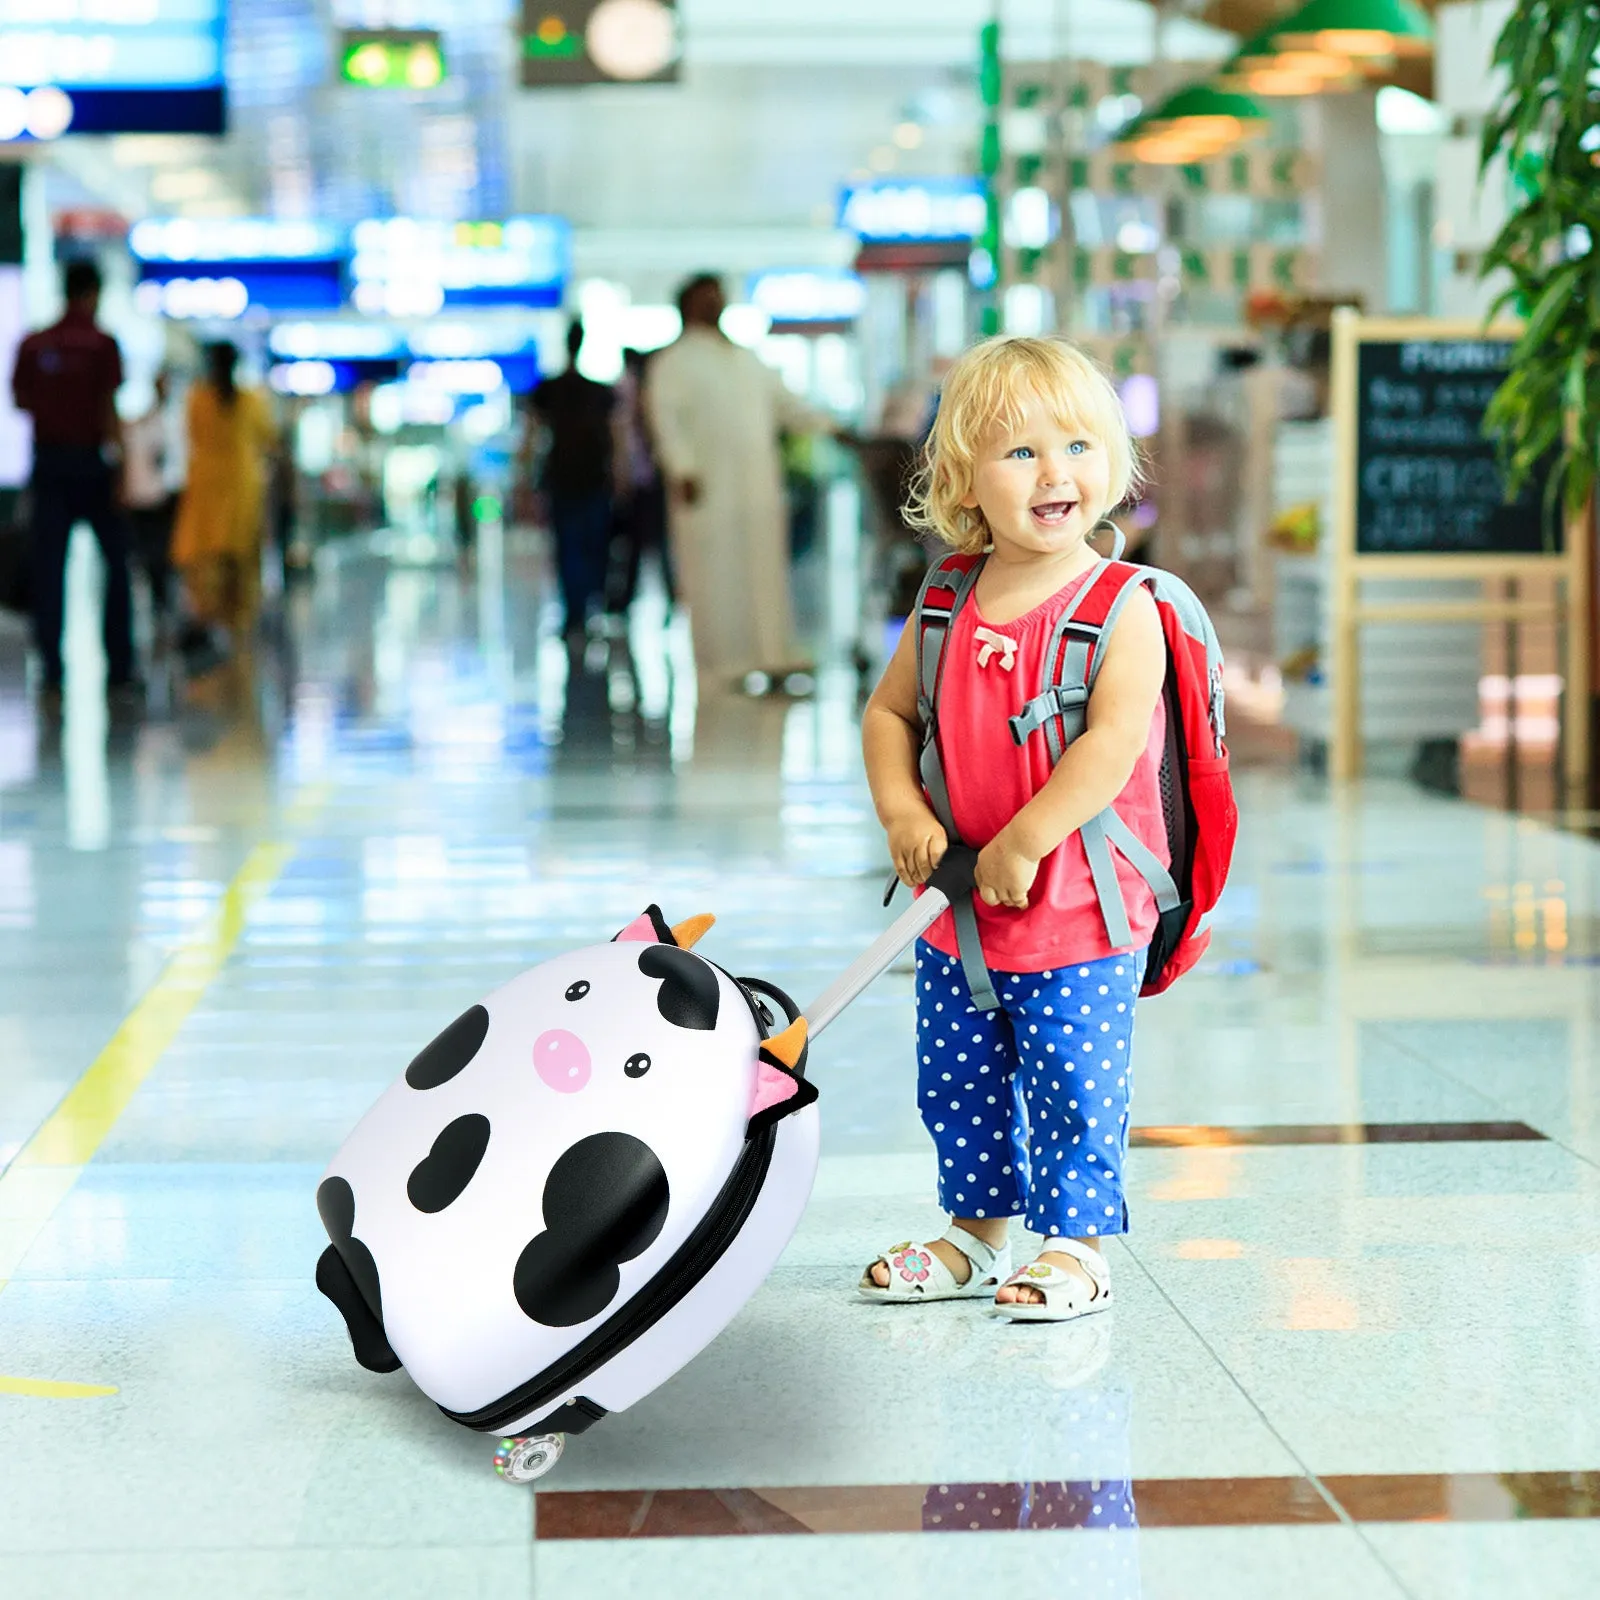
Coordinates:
[217,540]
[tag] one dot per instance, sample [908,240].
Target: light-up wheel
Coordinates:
[525,1459]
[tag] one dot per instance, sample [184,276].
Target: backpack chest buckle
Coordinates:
[1059,700]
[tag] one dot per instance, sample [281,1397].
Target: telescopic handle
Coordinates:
[950,879]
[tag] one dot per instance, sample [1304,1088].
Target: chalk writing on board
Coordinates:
[1427,477]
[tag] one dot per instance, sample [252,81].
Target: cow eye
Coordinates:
[636,1066]
[578,990]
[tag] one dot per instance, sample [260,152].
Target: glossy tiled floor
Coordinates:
[1355,1354]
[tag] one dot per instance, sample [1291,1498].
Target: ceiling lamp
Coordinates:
[1360,29]
[1265,66]
[1299,72]
[1168,153]
[1176,147]
[1193,125]
[1315,64]
[632,39]
[1268,49]
[1274,83]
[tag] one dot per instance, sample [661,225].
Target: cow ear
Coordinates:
[649,927]
[779,1089]
[688,934]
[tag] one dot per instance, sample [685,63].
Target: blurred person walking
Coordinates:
[283,493]
[66,378]
[716,413]
[217,541]
[577,480]
[640,522]
[152,482]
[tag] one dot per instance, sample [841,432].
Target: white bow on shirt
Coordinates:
[989,642]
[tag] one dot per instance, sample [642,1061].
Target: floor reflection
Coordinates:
[1364,1175]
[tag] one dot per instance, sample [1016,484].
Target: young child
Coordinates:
[1027,1104]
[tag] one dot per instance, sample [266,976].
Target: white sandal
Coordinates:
[916,1273]
[1063,1295]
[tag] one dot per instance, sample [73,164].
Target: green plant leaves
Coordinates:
[1550,400]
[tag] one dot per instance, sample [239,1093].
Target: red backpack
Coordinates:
[1196,792]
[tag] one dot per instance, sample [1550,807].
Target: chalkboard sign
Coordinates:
[1427,480]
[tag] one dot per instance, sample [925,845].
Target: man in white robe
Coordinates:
[715,413]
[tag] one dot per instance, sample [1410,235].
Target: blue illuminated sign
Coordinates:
[807,296]
[914,210]
[443,352]
[187,239]
[403,266]
[120,66]
[307,379]
[335,341]
[192,268]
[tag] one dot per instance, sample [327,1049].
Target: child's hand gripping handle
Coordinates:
[951,879]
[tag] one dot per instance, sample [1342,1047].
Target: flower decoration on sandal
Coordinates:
[912,1265]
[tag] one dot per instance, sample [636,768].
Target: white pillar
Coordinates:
[1467,214]
[1352,250]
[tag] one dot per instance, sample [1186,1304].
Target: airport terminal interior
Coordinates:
[485,661]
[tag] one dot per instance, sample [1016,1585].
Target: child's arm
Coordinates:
[1096,766]
[891,737]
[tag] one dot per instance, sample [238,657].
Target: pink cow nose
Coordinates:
[562,1060]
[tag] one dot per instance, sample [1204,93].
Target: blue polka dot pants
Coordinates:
[1028,1105]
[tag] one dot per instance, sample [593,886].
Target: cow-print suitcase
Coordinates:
[577,1185]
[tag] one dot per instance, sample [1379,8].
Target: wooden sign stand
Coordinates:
[1570,567]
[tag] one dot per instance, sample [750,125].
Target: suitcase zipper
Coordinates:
[695,1258]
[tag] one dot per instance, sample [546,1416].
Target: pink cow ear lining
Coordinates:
[773,1087]
[779,1093]
[649,927]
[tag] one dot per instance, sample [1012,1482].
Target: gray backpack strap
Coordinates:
[1106,887]
[1142,859]
[1108,829]
[1067,699]
[970,948]
[933,628]
[1145,580]
[1197,624]
[933,635]
[1100,835]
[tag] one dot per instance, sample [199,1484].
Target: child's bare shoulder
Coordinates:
[1139,611]
[1137,645]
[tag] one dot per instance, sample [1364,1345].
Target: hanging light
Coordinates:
[1194,124]
[1299,73]
[1316,64]
[1359,29]
[1276,83]
[1269,49]
[1265,66]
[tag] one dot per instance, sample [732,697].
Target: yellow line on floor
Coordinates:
[49,1389]
[75,1129]
[51,1162]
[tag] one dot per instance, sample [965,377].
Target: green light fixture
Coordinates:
[1265,66]
[392,58]
[1194,124]
[1357,29]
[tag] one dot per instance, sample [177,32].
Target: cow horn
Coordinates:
[789,1045]
[690,933]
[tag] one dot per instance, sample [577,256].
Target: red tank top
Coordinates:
[990,780]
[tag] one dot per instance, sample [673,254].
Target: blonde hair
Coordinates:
[988,387]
